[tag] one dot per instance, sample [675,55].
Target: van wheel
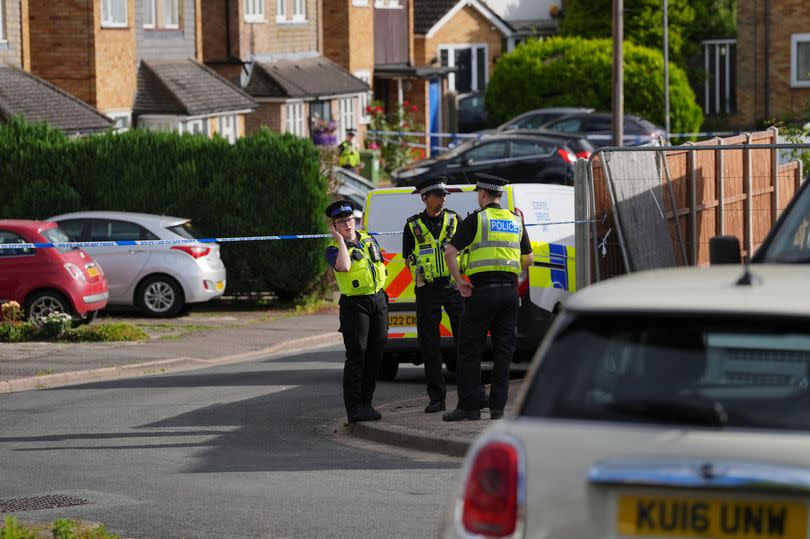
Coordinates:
[160,296]
[43,303]
[389,367]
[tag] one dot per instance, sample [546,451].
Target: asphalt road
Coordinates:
[246,450]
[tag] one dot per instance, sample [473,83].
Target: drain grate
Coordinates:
[34,503]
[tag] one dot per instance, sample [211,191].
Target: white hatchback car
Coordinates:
[669,403]
[160,279]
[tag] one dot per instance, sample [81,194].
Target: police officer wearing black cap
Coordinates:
[499,249]
[357,262]
[423,242]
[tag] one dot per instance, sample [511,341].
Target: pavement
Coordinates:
[215,338]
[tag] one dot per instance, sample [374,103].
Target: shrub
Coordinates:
[265,184]
[17,331]
[396,150]
[53,326]
[572,71]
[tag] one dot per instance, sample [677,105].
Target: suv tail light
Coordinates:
[493,491]
[567,155]
[195,251]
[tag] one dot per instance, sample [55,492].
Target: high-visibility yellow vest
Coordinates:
[366,275]
[349,155]
[496,246]
[428,252]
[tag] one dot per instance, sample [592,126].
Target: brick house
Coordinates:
[464,35]
[528,18]
[773,62]
[26,95]
[271,48]
[104,52]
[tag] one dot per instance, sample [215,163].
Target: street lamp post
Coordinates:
[666,70]
[618,72]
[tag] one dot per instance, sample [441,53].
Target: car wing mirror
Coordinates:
[724,250]
[466,162]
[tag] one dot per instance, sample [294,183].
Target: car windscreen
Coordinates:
[791,241]
[743,372]
[55,235]
[456,150]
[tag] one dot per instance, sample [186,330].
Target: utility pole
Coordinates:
[666,70]
[618,72]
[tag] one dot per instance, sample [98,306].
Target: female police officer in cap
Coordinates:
[360,273]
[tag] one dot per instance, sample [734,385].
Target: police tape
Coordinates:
[236,239]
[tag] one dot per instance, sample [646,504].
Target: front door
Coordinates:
[435,111]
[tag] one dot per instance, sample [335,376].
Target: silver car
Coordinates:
[670,403]
[159,279]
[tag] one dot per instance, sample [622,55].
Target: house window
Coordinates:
[196,127]
[800,60]
[387,4]
[122,121]
[346,117]
[158,124]
[471,65]
[281,10]
[359,2]
[227,128]
[254,11]
[299,10]
[364,76]
[114,13]
[295,119]
[161,14]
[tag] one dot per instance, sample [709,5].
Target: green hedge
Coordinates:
[265,184]
[576,72]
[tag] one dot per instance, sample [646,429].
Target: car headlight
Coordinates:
[410,173]
[75,272]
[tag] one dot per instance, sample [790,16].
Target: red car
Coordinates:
[47,280]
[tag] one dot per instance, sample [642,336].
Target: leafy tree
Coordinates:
[643,22]
[572,71]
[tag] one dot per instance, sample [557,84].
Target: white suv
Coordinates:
[669,403]
[160,279]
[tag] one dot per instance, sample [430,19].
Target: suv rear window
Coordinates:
[185,231]
[677,370]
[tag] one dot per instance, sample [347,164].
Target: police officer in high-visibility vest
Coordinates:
[423,242]
[348,155]
[360,272]
[499,249]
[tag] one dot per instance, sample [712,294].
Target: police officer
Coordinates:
[423,242]
[499,249]
[349,156]
[357,262]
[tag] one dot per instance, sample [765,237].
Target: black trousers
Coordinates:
[364,325]
[493,309]
[429,302]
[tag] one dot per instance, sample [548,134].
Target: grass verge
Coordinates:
[12,528]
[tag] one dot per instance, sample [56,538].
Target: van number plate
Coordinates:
[402,320]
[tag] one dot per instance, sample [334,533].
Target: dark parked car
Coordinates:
[597,128]
[536,118]
[519,156]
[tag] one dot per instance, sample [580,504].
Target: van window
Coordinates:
[388,213]
[546,204]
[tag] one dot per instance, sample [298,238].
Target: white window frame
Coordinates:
[122,120]
[299,11]
[281,10]
[365,97]
[3,38]
[294,122]
[255,11]
[197,126]
[795,41]
[360,3]
[388,4]
[227,127]
[150,14]
[347,119]
[173,7]
[167,124]
[451,62]
[107,14]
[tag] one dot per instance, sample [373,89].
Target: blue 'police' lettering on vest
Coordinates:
[503,225]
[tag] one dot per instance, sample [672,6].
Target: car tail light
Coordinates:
[491,504]
[523,283]
[583,155]
[195,251]
[567,155]
[75,272]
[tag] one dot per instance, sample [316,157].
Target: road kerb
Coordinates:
[49,381]
[401,436]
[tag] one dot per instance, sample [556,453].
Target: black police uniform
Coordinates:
[364,325]
[492,307]
[430,298]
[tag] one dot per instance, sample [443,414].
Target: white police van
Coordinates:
[548,212]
